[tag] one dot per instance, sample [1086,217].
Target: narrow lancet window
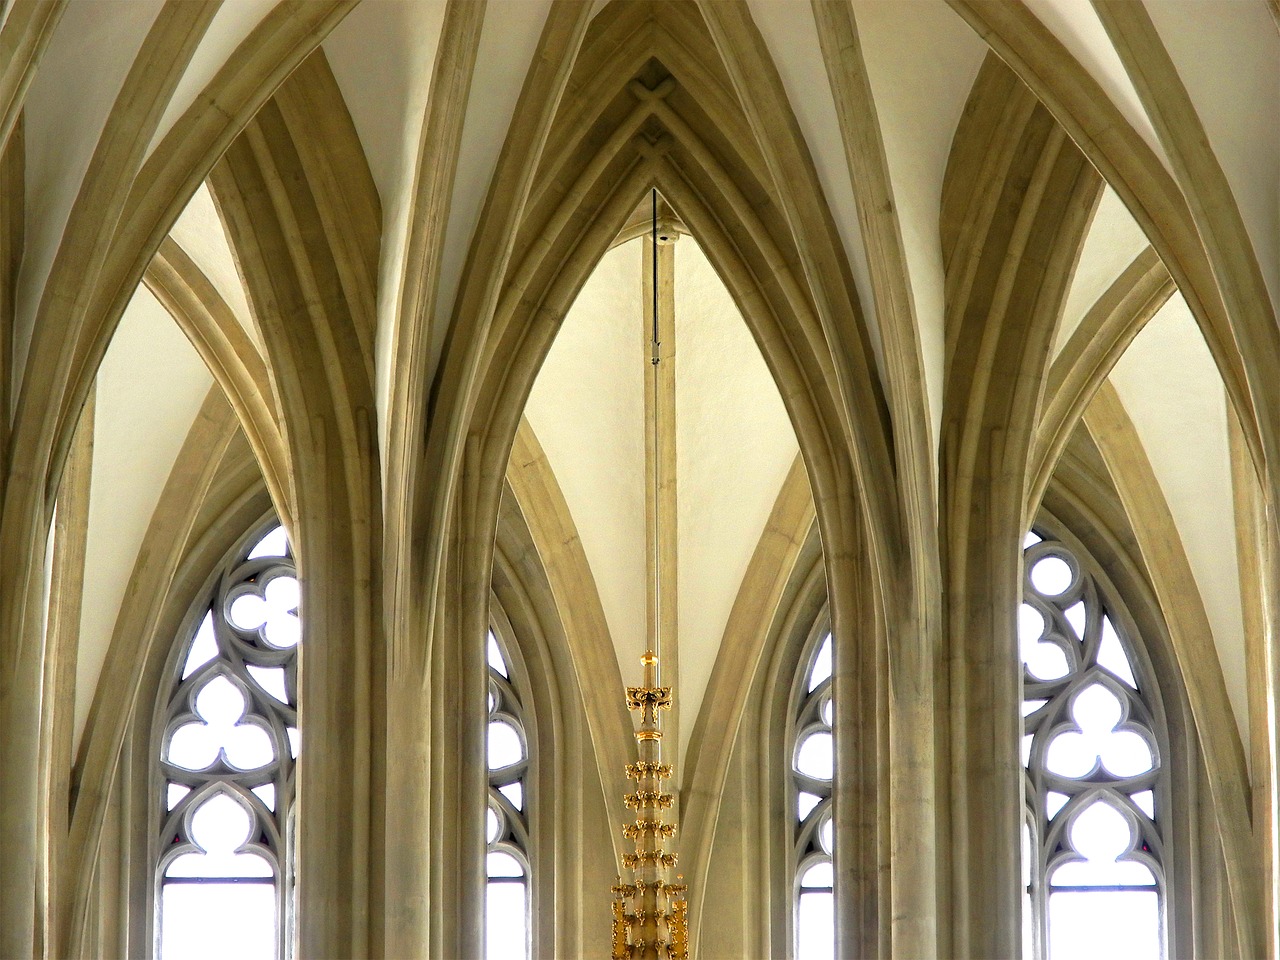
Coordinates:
[227,753]
[507,898]
[812,773]
[1092,735]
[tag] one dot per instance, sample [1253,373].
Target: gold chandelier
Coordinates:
[650,915]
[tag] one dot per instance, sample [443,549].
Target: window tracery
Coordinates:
[1092,750]
[812,765]
[228,746]
[507,832]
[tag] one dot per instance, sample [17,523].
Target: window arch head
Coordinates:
[228,741]
[812,766]
[1095,753]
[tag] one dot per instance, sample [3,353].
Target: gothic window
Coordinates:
[812,771]
[1092,735]
[227,750]
[507,897]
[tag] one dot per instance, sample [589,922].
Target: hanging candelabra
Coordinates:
[650,915]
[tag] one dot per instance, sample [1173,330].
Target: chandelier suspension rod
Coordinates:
[655,357]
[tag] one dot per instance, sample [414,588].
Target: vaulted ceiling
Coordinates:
[97,140]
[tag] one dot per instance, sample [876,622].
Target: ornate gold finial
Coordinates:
[650,916]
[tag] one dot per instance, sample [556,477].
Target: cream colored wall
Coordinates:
[507,44]
[1236,104]
[199,232]
[587,409]
[386,96]
[1113,241]
[66,109]
[1173,394]
[231,25]
[793,42]
[734,446]
[149,389]
[1078,28]
[921,69]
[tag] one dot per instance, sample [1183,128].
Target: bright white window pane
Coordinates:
[1027,742]
[192,747]
[1026,856]
[283,630]
[1044,660]
[271,679]
[220,827]
[203,648]
[1128,873]
[818,875]
[229,865]
[505,923]
[1127,754]
[1077,617]
[826,836]
[1146,802]
[805,802]
[1028,918]
[283,593]
[1053,802]
[1101,834]
[1030,540]
[274,544]
[214,921]
[220,703]
[496,659]
[248,747]
[1051,576]
[1028,927]
[499,864]
[248,612]
[295,741]
[1030,625]
[1104,924]
[492,826]
[816,757]
[267,794]
[1031,706]
[815,927]
[505,747]
[173,793]
[1123,752]
[1111,654]
[515,793]
[821,664]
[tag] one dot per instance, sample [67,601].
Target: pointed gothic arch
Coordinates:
[491,360]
